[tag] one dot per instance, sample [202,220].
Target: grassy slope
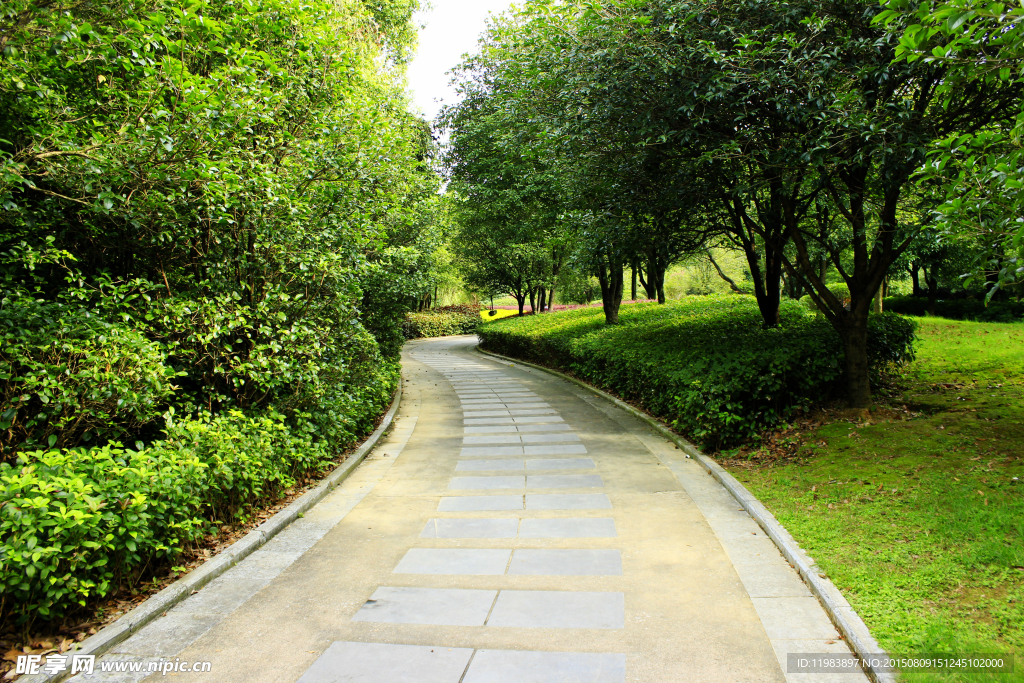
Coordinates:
[919,522]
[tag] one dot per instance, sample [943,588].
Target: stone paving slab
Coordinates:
[510,666]
[558,609]
[471,528]
[479,503]
[566,562]
[435,606]
[374,662]
[475,561]
[567,501]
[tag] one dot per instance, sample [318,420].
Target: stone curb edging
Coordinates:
[133,621]
[846,620]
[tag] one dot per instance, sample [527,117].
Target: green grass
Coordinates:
[920,522]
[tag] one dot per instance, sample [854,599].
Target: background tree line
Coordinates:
[816,138]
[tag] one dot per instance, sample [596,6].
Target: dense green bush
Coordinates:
[442,322]
[68,376]
[705,363]
[77,523]
[958,309]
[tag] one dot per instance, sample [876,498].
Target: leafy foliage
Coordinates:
[442,322]
[213,217]
[704,363]
[76,523]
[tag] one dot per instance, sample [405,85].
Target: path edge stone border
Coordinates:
[842,614]
[127,625]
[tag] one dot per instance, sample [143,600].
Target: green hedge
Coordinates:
[704,363]
[77,523]
[958,309]
[442,322]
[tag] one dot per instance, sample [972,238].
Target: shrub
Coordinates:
[76,523]
[704,364]
[67,376]
[958,309]
[442,322]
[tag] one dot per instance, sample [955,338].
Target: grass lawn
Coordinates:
[920,521]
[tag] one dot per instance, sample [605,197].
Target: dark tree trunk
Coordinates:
[855,347]
[650,288]
[632,291]
[931,278]
[533,300]
[915,279]
[521,300]
[610,276]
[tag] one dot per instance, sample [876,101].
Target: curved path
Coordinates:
[513,528]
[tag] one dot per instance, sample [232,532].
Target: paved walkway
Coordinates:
[513,528]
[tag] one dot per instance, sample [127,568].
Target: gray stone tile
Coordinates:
[566,562]
[772,581]
[515,666]
[487,483]
[222,595]
[490,451]
[564,481]
[794,618]
[489,421]
[345,662]
[495,429]
[560,464]
[484,465]
[516,412]
[569,449]
[470,528]
[487,405]
[435,606]
[486,413]
[567,501]
[493,438]
[479,503]
[470,561]
[568,527]
[543,428]
[168,635]
[549,438]
[559,609]
[262,564]
[540,419]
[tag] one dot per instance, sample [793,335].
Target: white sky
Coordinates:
[452,29]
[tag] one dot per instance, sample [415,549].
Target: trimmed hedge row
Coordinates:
[958,309]
[77,523]
[705,364]
[441,322]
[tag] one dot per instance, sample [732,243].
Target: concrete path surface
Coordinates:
[512,528]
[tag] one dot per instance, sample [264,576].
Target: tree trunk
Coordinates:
[721,274]
[551,298]
[876,305]
[610,277]
[650,289]
[533,300]
[855,347]
[915,279]
[632,291]
[541,301]
[932,280]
